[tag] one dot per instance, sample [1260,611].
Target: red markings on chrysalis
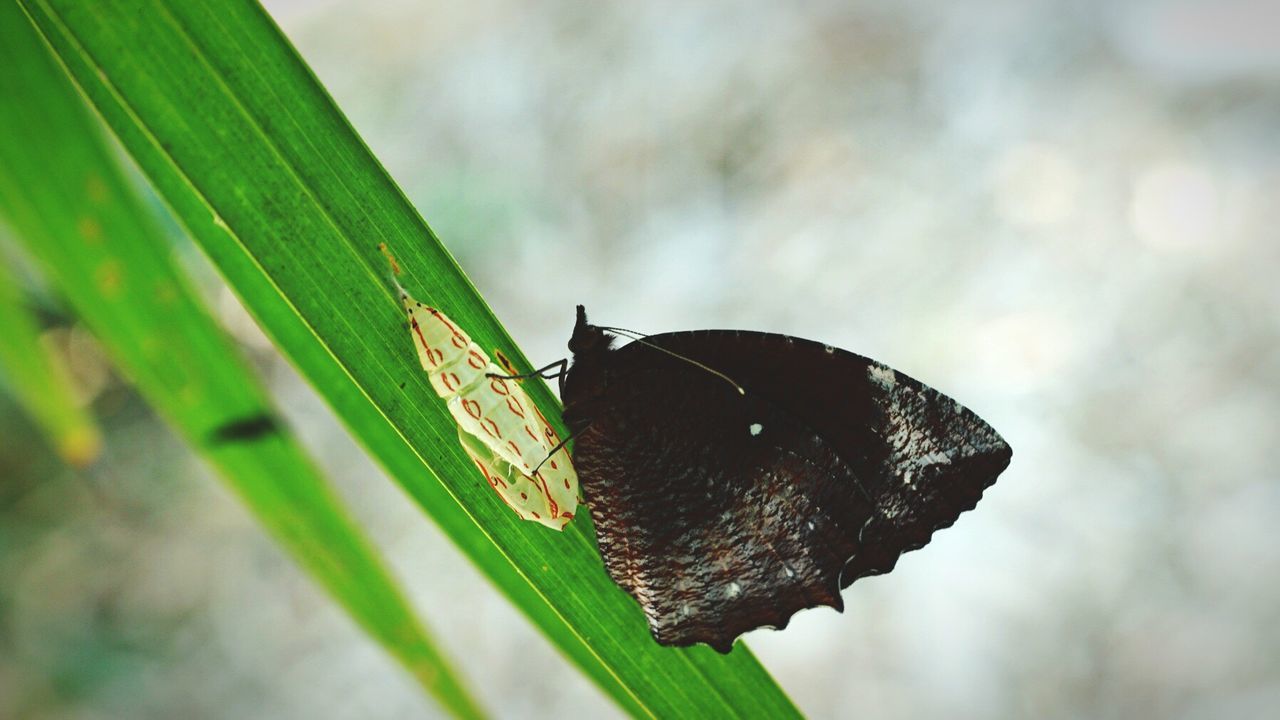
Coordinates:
[514,405]
[472,407]
[432,355]
[494,480]
[555,509]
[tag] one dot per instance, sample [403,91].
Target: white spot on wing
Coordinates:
[934,458]
[883,376]
[755,429]
[733,590]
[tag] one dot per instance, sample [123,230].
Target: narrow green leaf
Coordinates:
[242,141]
[40,381]
[73,210]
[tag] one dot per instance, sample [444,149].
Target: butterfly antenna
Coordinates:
[640,338]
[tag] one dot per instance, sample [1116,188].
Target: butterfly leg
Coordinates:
[559,446]
[562,364]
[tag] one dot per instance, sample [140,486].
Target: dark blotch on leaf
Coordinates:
[245,429]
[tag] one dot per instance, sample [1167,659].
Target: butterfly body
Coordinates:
[499,427]
[737,477]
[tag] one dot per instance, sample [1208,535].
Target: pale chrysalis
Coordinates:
[498,425]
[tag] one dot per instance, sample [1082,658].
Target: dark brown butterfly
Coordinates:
[736,478]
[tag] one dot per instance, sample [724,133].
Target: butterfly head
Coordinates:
[587,377]
[587,338]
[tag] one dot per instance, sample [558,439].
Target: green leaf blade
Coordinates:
[283,196]
[75,213]
[40,381]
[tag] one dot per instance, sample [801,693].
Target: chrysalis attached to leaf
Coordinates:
[498,425]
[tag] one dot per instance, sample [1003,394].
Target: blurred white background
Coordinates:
[1062,214]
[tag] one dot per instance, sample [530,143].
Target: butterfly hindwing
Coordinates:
[721,511]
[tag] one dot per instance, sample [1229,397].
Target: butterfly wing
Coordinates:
[721,511]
